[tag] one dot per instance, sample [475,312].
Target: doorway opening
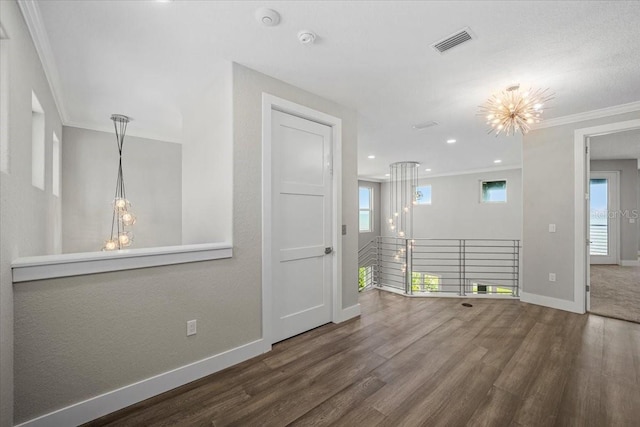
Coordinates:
[607,217]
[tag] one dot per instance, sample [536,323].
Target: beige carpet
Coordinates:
[615,291]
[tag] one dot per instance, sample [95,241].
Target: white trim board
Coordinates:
[429,175]
[270,103]
[65,265]
[589,115]
[580,263]
[95,407]
[349,313]
[629,263]
[130,131]
[557,303]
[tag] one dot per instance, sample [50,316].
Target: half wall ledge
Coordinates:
[65,265]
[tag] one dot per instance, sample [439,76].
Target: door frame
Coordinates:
[270,103]
[613,204]
[581,158]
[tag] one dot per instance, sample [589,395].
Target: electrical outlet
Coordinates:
[191,327]
[552,277]
[632,220]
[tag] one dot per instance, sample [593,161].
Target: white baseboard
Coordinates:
[557,303]
[629,263]
[349,313]
[90,409]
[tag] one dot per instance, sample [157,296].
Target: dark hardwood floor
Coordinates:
[423,361]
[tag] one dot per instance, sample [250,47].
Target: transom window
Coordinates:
[493,191]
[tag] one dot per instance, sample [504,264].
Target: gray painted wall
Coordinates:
[628,240]
[548,192]
[207,136]
[79,337]
[29,217]
[153,177]
[456,212]
[364,238]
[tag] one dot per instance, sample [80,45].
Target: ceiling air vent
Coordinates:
[453,40]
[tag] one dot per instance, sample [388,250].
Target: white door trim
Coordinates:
[580,206]
[270,103]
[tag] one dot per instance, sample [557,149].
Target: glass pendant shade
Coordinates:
[122,217]
[403,184]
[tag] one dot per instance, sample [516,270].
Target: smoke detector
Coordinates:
[267,17]
[306,37]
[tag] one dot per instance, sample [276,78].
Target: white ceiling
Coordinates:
[148,59]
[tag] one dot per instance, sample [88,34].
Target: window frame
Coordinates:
[371,228]
[506,191]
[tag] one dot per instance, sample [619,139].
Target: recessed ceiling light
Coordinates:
[497,161]
[387,174]
[427,170]
[164,1]
[451,141]
[371,156]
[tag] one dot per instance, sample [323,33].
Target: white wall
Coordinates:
[29,217]
[207,167]
[152,175]
[628,240]
[548,194]
[456,212]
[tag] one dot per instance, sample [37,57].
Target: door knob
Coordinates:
[328,250]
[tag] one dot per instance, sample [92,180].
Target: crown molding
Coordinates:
[130,132]
[589,115]
[33,18]
[469,172]
[425,175]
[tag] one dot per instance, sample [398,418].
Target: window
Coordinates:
[425,282]
[485,288]
[37,143]
[423,195]
[55,166]
[366,211]
[365,277]
[493,191]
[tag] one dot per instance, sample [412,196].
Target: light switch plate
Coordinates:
[552,228]
[191,327]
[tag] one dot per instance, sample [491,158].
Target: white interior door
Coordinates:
[603,217]
[301,225]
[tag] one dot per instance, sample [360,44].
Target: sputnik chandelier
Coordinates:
[513,111]
[122,217]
